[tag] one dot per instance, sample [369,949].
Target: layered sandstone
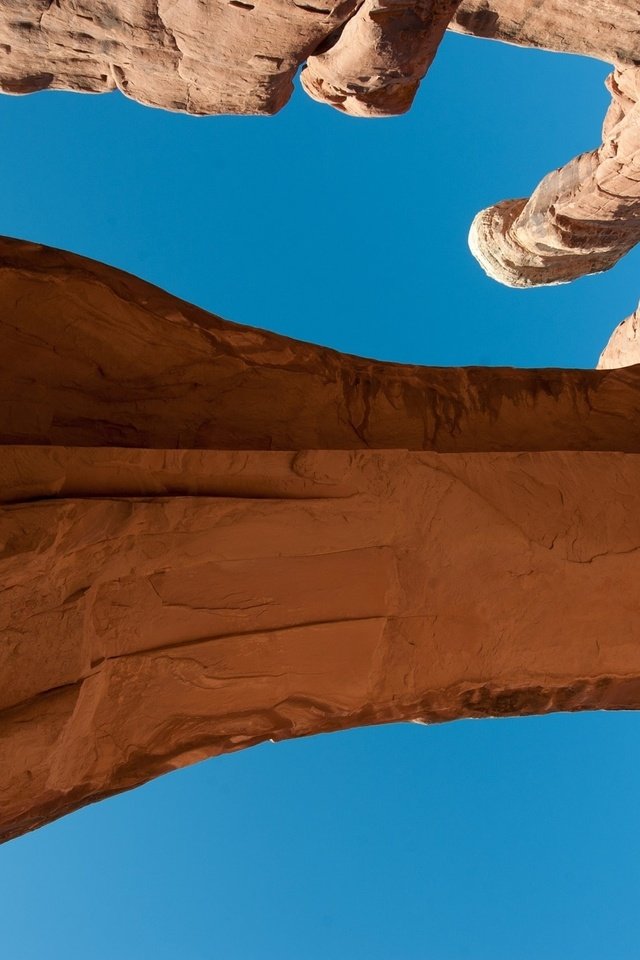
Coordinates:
[214,536]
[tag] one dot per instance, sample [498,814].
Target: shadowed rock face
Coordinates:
[606,29]
[213,536]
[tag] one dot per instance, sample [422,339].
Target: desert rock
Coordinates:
[582,218]
[232,56]
[623,348]
[376,64]
[214,536]
[609,30]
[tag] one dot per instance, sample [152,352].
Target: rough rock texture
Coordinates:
[213,536]
[376,64]
[623,348]
[366,59]
[240,56]
[582,218]
[222,56]
[93,357]
[606,29]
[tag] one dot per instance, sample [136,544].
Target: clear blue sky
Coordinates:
[479,840]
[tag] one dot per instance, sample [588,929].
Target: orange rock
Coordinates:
[213,536]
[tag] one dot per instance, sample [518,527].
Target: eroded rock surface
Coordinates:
[606,29]
[376,64]
[365,59]
[232,56]
[582,218]
[213,536]
[623,348]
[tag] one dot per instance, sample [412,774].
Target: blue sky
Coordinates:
[478,840]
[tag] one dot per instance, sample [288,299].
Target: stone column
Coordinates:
[582,218]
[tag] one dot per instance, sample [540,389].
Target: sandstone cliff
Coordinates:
[213,536]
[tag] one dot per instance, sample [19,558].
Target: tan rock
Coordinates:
[213,536]
[375,66]
[606,29]
[222,56]
[240,56]
[623,348]
[582,218]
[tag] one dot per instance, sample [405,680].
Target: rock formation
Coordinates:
[214,536]
[231,56]
[582,218]
[606,29]
[374,67]
[223,56]
[623,349]
[366,59]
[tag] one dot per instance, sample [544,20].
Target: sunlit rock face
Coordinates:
[582,218]
[214,536]
[223,56]
[232,56]
[623,348]
[365,59]
[606,29]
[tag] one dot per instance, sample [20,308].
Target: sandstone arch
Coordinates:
[213,536]
[364,59]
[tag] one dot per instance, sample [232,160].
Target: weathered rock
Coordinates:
[93,357]
[346,542]
[232,56]
[376,64]
[606,29]
[623,348]
[223,56]
[582,218]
